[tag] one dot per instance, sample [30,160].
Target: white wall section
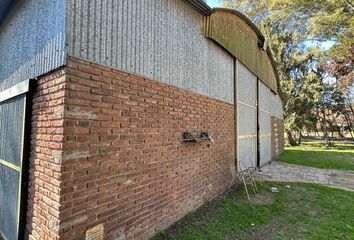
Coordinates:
[246,117]
[265,124]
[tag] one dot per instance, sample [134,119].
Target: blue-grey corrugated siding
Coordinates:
[32,41]
[161,40]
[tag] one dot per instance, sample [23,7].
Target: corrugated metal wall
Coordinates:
[32,41]
[265,122]
[161,40]
[276,106]
[11,130]
[9,191]
[11,145]
[246,117]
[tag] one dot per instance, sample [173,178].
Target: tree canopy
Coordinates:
[314,82]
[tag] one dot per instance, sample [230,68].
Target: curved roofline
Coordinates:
[244,18]
[256,30]
[203,8]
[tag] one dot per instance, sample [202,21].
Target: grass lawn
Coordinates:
[314,154]
[305,211]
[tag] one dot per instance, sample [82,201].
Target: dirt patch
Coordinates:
[210,208]
[266,231]
[259,199]
[262,199]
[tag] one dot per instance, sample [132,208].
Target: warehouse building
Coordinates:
[119,117]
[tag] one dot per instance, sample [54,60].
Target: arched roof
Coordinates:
[243,39]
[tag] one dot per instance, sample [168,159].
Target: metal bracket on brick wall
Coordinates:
[204,137]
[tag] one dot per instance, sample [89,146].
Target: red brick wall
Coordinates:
[277,137]
[46,156]
[124,164]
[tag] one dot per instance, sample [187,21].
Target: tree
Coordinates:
[319,19]
[289,26]
[299,86]
[329,109]
[341,63]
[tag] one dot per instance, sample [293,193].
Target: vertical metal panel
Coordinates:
[12,130]
[264,123]
[246,117]
[265,145]
[276,106]
[264,97]
[161,40]
[9,192]
[32,41]
[247,152]
[265,128]
[11,122]
[247,120]
[246,89]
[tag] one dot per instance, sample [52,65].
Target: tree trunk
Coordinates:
[351,108]
[300,138]
[291,139]
[347,119]
[325,129]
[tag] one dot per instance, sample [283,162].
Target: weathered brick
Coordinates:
[122,162]
[45,162]
[277,137]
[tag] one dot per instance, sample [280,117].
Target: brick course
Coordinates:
[46,156]
[277,137]
[123,163]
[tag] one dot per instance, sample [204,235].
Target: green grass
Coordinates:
[315,154]
[305,211]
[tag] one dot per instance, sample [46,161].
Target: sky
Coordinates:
[213,3]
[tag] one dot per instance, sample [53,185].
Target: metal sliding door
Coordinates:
[264,118]
[13,104]
[246,117]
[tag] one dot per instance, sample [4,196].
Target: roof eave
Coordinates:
[201,7]
[257,31]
